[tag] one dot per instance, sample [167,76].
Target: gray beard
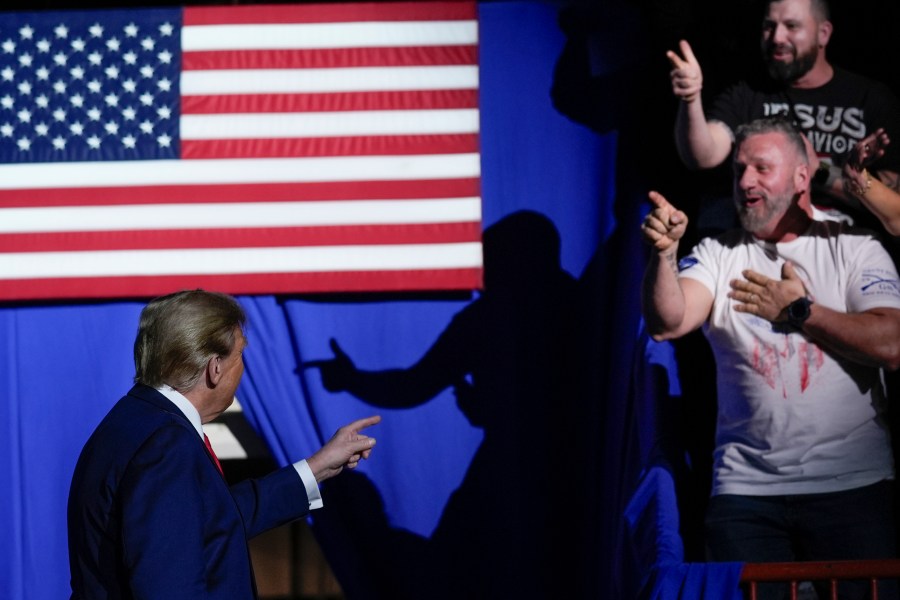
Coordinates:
[754,221]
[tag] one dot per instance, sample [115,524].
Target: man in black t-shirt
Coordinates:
[833,107]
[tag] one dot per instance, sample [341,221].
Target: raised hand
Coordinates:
[864,153]
[686,75]
[345,449]
[867,150]
[664,225]
[336,372]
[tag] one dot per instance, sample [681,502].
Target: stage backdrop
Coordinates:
[507,422]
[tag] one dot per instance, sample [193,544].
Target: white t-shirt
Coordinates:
[794,418]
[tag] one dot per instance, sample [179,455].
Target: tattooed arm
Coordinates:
[671,306]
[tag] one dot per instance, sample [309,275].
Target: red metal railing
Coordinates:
[830,571]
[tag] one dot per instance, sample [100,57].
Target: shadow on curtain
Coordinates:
[528,442]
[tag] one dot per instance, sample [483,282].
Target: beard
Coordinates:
[789,72]
[759,218]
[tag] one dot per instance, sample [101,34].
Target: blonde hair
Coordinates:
[179,333]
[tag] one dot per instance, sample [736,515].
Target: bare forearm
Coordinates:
[662,298]
[871,338]
[394,388]
[883,202]
[877,194]
[699,145]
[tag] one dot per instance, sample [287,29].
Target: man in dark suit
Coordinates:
[150,515]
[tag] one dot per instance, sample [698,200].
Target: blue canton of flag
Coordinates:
[88,86]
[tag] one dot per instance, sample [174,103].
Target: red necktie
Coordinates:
[213,454]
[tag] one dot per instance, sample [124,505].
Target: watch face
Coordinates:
[798,310]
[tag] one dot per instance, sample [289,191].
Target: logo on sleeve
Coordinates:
[686,263]
[879,282]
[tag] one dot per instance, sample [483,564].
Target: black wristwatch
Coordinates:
[798,311]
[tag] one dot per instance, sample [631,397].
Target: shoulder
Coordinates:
[134,438]
[709,252]
[733,238]
[842,231]
[756,86]
[843,76]
[735,91]
[144,408]
[136,417]
[859,83]
[851,244]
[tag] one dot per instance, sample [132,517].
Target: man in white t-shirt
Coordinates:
[801,316]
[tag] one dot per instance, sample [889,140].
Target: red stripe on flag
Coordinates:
[275,283]
[264,237]
[272,192]
[327,13]
[330,58]
[359,101]
[376,145]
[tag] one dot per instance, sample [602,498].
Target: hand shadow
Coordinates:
[513,358]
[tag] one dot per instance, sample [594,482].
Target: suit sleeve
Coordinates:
[271,501]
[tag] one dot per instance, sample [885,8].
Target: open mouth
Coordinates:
[748,202]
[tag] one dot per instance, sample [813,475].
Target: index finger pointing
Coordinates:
[675,60]
[659,201]
[361,424]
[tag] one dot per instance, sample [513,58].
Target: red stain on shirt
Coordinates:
[766,360]
[810,356]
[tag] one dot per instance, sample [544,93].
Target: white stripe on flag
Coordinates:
[240,171]
[32,265]
[329,124]
[328,35]
[350,79]
[239,215]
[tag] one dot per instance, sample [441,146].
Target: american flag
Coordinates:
[257,149]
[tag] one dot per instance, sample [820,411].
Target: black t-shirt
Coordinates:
[834,116]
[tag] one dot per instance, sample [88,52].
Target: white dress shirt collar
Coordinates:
[184,405]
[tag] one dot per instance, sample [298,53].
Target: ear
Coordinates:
[214,371]
[801,179]
[824,33]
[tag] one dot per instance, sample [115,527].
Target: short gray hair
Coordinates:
[773,125]
[179,333]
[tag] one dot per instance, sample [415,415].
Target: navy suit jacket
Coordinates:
[151,517]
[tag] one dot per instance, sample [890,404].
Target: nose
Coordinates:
[747,180]
[779,34]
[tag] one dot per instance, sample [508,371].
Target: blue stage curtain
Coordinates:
[653,563]
[64,365]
